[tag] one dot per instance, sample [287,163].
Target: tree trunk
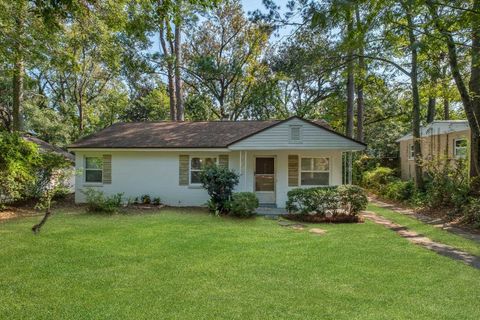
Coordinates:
[474,87]
[80,114]
[431,109]
[18,67]
[36,228]
[362,71]
[415,102]
[350,86]
[446,108]
[170,72]
[178,65]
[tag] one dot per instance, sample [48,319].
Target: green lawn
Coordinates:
[430,231]
[179,265]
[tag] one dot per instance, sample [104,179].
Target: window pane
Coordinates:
[93,163]
[195,177]
[315,178]
[264,165]
[461,143]
[93,175]
[320,164]
[196,163]
[306,163]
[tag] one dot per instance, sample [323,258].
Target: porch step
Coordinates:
[270,211]
[267,205]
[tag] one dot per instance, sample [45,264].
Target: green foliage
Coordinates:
[146,199]
[327,200]
[243,204]
[398,190]
[99,203]
[219,183]
[446,184]
[378,178]
[471,212]
[19,161]
[156,201]
[352,198]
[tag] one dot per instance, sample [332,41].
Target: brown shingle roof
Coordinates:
[166,134]
[47,147]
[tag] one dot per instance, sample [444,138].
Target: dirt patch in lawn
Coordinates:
[316,218]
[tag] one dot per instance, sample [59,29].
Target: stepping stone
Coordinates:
[297,226]
[317,231]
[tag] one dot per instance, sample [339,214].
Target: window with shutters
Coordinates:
[315,172]
[295,134]
[93,169]
[197,165]
[411,152]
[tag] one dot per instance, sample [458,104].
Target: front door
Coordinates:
[265,179]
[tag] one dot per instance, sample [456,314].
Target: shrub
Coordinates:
[219,183]
[471,212]
[19,161]
[352,199]
[378,177]
[243,204]
[446,184]
[98,202]
[323,200]
[156,201]
[398,190]
[146,199]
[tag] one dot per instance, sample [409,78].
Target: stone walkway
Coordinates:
[425,242]
[436,222]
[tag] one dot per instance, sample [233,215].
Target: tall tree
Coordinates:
[223,59]
[20,16]
[180,113]
[469,19]
[361,74]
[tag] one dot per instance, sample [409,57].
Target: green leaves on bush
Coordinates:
[219,183]
[352,199]
[98,202]
[243,204]
[348,199]
[377,178]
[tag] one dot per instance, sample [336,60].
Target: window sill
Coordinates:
[93,184]
[194,186]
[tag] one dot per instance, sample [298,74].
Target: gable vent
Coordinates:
[295,134]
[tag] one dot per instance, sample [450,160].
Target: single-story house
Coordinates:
[165,159]
[442,139]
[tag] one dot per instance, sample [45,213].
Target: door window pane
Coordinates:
[264,166]
[264,183]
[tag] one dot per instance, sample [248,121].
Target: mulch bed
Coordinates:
[316,218]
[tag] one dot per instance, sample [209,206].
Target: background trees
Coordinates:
[373,69]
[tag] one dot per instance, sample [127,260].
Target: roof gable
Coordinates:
[313,136]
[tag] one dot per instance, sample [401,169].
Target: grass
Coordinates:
[428,230]
[184,265]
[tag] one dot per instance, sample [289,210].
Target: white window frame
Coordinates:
[92,169]
[315,185]
[411,151]
[197,170]
[300,135]
[455,148]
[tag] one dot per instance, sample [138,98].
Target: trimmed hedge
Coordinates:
[347,199]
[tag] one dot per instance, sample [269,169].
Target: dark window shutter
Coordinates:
[223,161]
[293,165]
[183,170]
[107,169]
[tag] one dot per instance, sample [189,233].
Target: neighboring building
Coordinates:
[165,158]
[443,139]
[44,146]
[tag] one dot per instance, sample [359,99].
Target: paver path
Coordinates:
[425,242]
[436,222]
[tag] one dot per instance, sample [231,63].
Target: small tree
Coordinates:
[219,182]
[52,174]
